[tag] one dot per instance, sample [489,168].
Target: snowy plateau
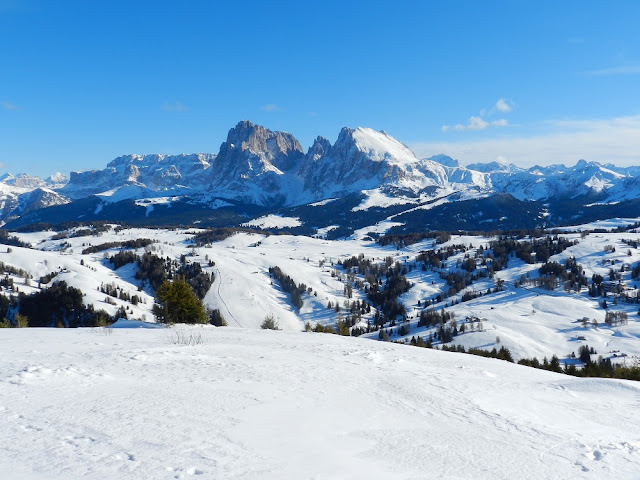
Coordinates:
[241,402]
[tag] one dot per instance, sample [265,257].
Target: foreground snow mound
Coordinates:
[138,404]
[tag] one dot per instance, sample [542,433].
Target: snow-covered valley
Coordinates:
[241,402]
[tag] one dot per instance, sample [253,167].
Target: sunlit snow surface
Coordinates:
[251,404]
[273,221]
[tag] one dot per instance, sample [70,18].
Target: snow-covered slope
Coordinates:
[133,404]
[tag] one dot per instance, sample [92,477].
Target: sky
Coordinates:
[82,82]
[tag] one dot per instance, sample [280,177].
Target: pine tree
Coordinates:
[177,303]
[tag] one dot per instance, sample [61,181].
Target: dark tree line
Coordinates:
[59,305]
[218,234]
[137,243]
[288,284]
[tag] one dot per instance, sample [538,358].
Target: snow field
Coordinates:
[255,404]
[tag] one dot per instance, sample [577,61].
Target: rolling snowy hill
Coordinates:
[137,404]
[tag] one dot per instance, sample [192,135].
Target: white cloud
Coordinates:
[174,107]
[615,140]
[621,70]
[270,107]
[502,122]
[475,124]
[503,106]
[9,106]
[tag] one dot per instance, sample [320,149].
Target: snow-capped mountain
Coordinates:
[264,171]
[364,159]
[23,193]
[554,181]
[259,166]
[164,174]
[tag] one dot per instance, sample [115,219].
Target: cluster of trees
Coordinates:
[288,284]
[502,354]
[7,239]
[530,251]
[602,367]
[405,239]
[56,306]
[383,284]
[123,258]
[199,280]
[116,291]
[155,271]
[45,279]
[435,259]
[11,270]
[616,318]
[430,317]
[553,274]
[218,234]
[137,243]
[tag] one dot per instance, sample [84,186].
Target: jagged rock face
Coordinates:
[321,148]
[155,172]
[253,162]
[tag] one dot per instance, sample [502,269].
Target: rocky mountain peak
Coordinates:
[321,147]
[279,149]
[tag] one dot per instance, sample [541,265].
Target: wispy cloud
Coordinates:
[620,70]
[9,106]
[615,140]
[174,107]
[479,122]
[270,107]
[476,124]
[503,105]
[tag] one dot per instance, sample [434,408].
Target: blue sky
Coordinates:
[82,82]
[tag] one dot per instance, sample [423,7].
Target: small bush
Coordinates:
[180,337]
[22,321]
[270,323]
[216,319]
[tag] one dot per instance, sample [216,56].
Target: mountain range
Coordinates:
[365,177]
